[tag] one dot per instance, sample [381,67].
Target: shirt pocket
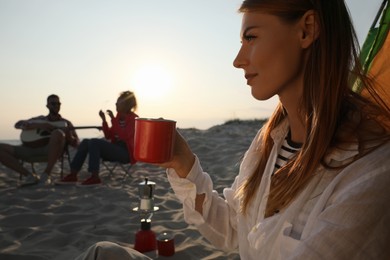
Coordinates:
[287,243]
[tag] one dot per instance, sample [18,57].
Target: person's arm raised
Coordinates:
[102,116]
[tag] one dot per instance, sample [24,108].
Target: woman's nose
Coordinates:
[239,62]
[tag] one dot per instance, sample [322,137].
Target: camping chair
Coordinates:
[112,165]
[38,159]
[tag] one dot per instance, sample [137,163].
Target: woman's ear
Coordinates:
[309,29]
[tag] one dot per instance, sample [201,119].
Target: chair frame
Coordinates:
[112,165]
[39,159]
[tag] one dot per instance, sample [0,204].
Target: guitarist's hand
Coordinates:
[73,141]
[71,138]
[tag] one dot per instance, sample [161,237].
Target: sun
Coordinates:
[152,81]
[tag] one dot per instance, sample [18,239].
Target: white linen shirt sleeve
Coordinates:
[218,225]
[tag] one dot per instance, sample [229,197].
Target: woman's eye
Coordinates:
[249,37]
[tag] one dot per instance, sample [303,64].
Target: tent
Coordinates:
[375,53]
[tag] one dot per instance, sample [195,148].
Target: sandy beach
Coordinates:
[61,222]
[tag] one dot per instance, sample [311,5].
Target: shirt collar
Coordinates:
[339,154]
[280,132]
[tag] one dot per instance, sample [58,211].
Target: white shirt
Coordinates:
[342,214]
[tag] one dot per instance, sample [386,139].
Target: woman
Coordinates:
[329,197]
[314,183]
[119,147]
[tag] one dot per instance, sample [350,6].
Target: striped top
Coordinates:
[286,152]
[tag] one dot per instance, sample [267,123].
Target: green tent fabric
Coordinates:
[375,53]
[376,36]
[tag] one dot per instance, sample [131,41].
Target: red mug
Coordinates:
[154,140]
[165,244]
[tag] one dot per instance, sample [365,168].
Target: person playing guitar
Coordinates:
[41,136]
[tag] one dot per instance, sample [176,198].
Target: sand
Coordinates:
[61,222]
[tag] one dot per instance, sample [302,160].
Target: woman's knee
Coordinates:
[108,250]
[95,143]
[84,143]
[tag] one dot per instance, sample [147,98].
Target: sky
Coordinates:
[176,55]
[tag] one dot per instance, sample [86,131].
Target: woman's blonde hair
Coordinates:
[130,100]
[333,113]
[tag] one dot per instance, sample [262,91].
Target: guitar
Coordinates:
[38,137]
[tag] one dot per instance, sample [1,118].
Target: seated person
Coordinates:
[119,147]
[45,140]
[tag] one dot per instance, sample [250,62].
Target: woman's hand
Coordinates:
[102,115]
[110,114]
[183,158]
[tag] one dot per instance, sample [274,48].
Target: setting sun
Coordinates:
[152,81]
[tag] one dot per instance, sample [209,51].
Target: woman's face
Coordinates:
[271,57]
[122,105]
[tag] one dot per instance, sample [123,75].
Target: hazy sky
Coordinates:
[176,55]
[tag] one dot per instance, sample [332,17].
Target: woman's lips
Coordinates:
[249,77]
